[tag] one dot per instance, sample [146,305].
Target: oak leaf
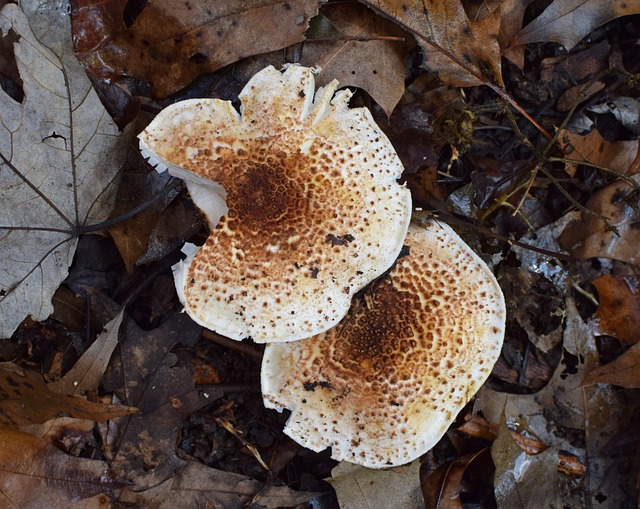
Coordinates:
[589,236]
[351,43]
[461,51]
[567,22]
[60,154]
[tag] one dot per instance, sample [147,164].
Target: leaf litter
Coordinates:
[59,166]
[557,416]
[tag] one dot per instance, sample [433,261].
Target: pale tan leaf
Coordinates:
[358,486]
[25,399]
[567,22]
[59,157]
[619,156]
[85,375]
[196,485]
[624,371]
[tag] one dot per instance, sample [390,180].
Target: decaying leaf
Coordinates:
[619,310]
[568,21]
[523,480]
[34,474]
[171,43]
[88,370]
[59,157]
[195,485]
[163,392]
[25,399]
[441,488]
[589,236]
[353,49]
[624,371]
[571,419]
[358,486]
[462,52]
[618,156]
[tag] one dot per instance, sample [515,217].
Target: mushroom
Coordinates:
[313,209]
[384,385]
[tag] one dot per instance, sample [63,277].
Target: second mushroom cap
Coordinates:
[383,386]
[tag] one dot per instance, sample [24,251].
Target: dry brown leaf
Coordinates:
[567,22]
[171,43]
[462,52]
[25,399]
[441,488]
[195,485]
[624,371]
[96,22]
[589,238]
[512,15]
[619,310]
[85,375]
[593,148]
[34,474]
[357,54]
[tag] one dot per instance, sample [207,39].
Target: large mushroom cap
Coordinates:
[314,208]
[383,386]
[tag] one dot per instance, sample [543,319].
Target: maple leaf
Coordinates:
[568,21]
[60,154]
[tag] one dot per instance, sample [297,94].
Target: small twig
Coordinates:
[230,343]
[110,223]
[357,38]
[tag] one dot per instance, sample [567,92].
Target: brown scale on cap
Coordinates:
[299,171]
[383,386]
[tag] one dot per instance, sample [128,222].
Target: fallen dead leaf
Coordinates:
[165,394]
[522,480]
[86,373]
[588,237]
[567,22]
[624,371]
[25,399]
[460,51]
[571,419]
[593,148]
[60,154]
[34,474]
[441,488]
[171,43]
[350,44]
[360,487]
[619,310]
[195,485]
